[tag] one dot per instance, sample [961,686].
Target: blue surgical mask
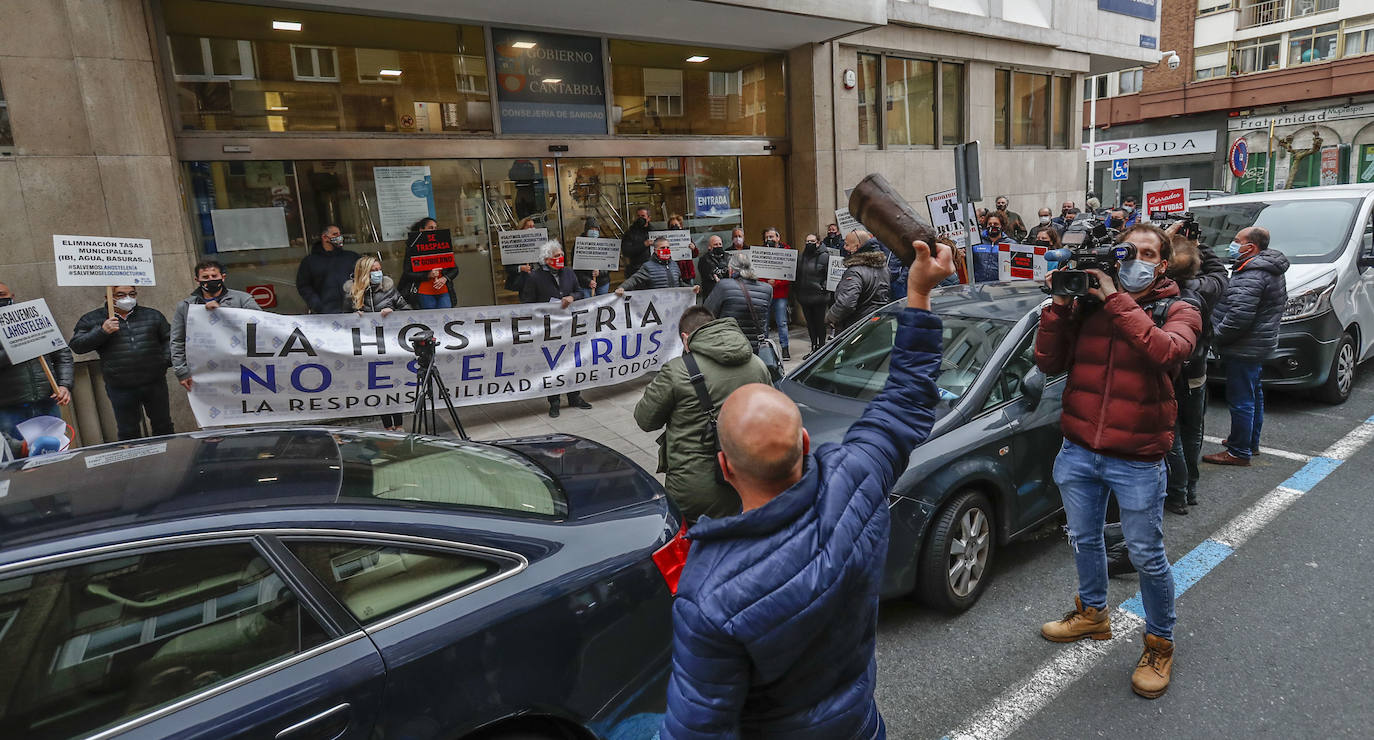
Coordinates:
[1233,250]
[1128,209]
[1136,275]
[376,277]
[593,233]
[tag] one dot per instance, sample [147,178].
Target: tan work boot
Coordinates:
[1151,677]
[1078,624]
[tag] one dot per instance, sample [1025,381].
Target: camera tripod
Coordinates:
[429,381]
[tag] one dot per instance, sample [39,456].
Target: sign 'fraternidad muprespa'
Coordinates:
[254,367]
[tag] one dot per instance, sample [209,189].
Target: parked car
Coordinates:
[327,583]
[1327,233]
[984,477]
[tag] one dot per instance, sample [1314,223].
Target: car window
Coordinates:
[90,645]
[1013,373]
[382,468]
[857,367]
[375,581]
[1307,231]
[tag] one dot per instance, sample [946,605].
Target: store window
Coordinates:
[867,84]
[233,69]
[1316,44]
[1257,55]
[6,133]
[667,89]
[1359,41]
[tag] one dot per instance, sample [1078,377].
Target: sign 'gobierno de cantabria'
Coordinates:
[253,366]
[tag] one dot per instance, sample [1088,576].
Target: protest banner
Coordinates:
[27,330]
[945,212]
[845,222]
[835,272]
[679,239]
[429,250]
[521,246]
[775,263]
[1170,196]
[596,254]
[256,367]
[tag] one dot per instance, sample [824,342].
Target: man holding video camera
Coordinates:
[1121,339]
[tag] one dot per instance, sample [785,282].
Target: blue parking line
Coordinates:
[1187,571]
[1311,474]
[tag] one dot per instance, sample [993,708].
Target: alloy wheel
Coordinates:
[968,552]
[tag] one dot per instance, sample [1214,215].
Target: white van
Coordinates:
[1327,233]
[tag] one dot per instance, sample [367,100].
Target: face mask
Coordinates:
[1136,275]
[1044,219]
[739,241]
[212,287]
[1233,250]
[6,301]
[375,276]
[770,243]
[126,304]
[718,250]
[642,221]
[1128,209]
[1001,206]
[664,255]
[556,262]
[593,233]
[811,244]
[1064,214]
[336,240]
[994,231]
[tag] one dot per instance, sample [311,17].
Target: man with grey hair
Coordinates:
[553,282]
[742,297]
[865,286]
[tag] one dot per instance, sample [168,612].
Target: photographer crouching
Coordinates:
[1122,338]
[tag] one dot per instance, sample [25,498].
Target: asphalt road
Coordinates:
[1270,643]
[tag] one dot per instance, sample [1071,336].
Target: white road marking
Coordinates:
[1285,454]
[1346,445]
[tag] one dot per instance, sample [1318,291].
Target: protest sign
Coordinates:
[1170,196]
[429,250]
[1020,262]
[846,222]
[775,263]
[102,260]
[679,239]
[835,272]
[596,254]
[255,367]
[27,330]
[521,247]
[945,212]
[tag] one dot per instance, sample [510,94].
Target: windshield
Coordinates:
[857,366]
[1307,231]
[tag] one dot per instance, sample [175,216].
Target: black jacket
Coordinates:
[1245,324]
[543,285]
[732,299]
[1206,288]
[865,287]
[410,281]
[633,248]
[138,354]
[813,265]
[27,383]
[321,276]
[654,275]
[833,241]
[711,269]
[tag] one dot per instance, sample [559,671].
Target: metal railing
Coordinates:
[1267,12]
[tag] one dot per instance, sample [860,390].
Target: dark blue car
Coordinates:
[321,583]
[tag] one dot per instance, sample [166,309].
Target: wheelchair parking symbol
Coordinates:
[1119,169]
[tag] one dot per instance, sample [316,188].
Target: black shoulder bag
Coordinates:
[704,400]
[767,351]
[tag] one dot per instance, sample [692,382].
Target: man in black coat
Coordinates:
[553,281]
[635,246]
[24,388]
[323,272]
[813,267]
[1245,332]
[135,352]
[713,266]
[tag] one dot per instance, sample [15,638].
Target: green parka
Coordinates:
[686,450]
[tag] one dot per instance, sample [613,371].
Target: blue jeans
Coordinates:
[10,416]
[1085,478]
[1246,399]
[777,312]
[443,300]
[603,287]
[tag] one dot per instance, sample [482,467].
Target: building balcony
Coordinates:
[1255,13]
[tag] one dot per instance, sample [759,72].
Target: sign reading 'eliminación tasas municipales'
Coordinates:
[549,83]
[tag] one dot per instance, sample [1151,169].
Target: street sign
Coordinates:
[1239,157]
[967,179]
[264,295]
[1120,167]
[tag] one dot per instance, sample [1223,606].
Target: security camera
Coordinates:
[1174,61]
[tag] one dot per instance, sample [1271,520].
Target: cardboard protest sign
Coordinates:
[102,261]
[835,272]
[521,247]
[945,216]
[1170,196]
[845,222]
[27,330]
[679,239]
[429,250]
[774,263]
[1020,262]
[596,254]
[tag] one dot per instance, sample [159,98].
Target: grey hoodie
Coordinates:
[230,299]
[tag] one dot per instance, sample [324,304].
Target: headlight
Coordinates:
[1310,303]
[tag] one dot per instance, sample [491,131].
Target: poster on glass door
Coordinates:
[404,195]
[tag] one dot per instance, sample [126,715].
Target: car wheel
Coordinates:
[1342,376]
[956,559]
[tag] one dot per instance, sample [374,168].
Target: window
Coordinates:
[1100,81]
[314,63]
[868,99]
[6,134]
[200,58]
[909,102]
[1312,44]
[1064,113]
[1212,6]
[1312,231]
[1019,364]
[379,65]
[656,91]
[951,103]
[1308,7]
[662,92]
[1209,62]
[1257,55]
[1129,81]
[93,644]
[1358,41]
[1023,106]
[375,581]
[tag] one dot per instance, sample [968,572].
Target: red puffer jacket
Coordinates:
[1119,400]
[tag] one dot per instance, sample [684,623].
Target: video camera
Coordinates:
[423,345]
[1090,245]
[1189,230]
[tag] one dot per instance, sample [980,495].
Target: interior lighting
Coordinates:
[696,58]
[286,25]
[389,72]
[524,45]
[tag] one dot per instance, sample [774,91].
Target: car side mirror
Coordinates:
[1033,386]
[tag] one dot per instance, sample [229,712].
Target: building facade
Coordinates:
[237,131]
[1294,79]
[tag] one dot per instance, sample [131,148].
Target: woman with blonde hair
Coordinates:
[371,291]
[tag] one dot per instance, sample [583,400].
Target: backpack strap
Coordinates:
[1159,310]
[699,385]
